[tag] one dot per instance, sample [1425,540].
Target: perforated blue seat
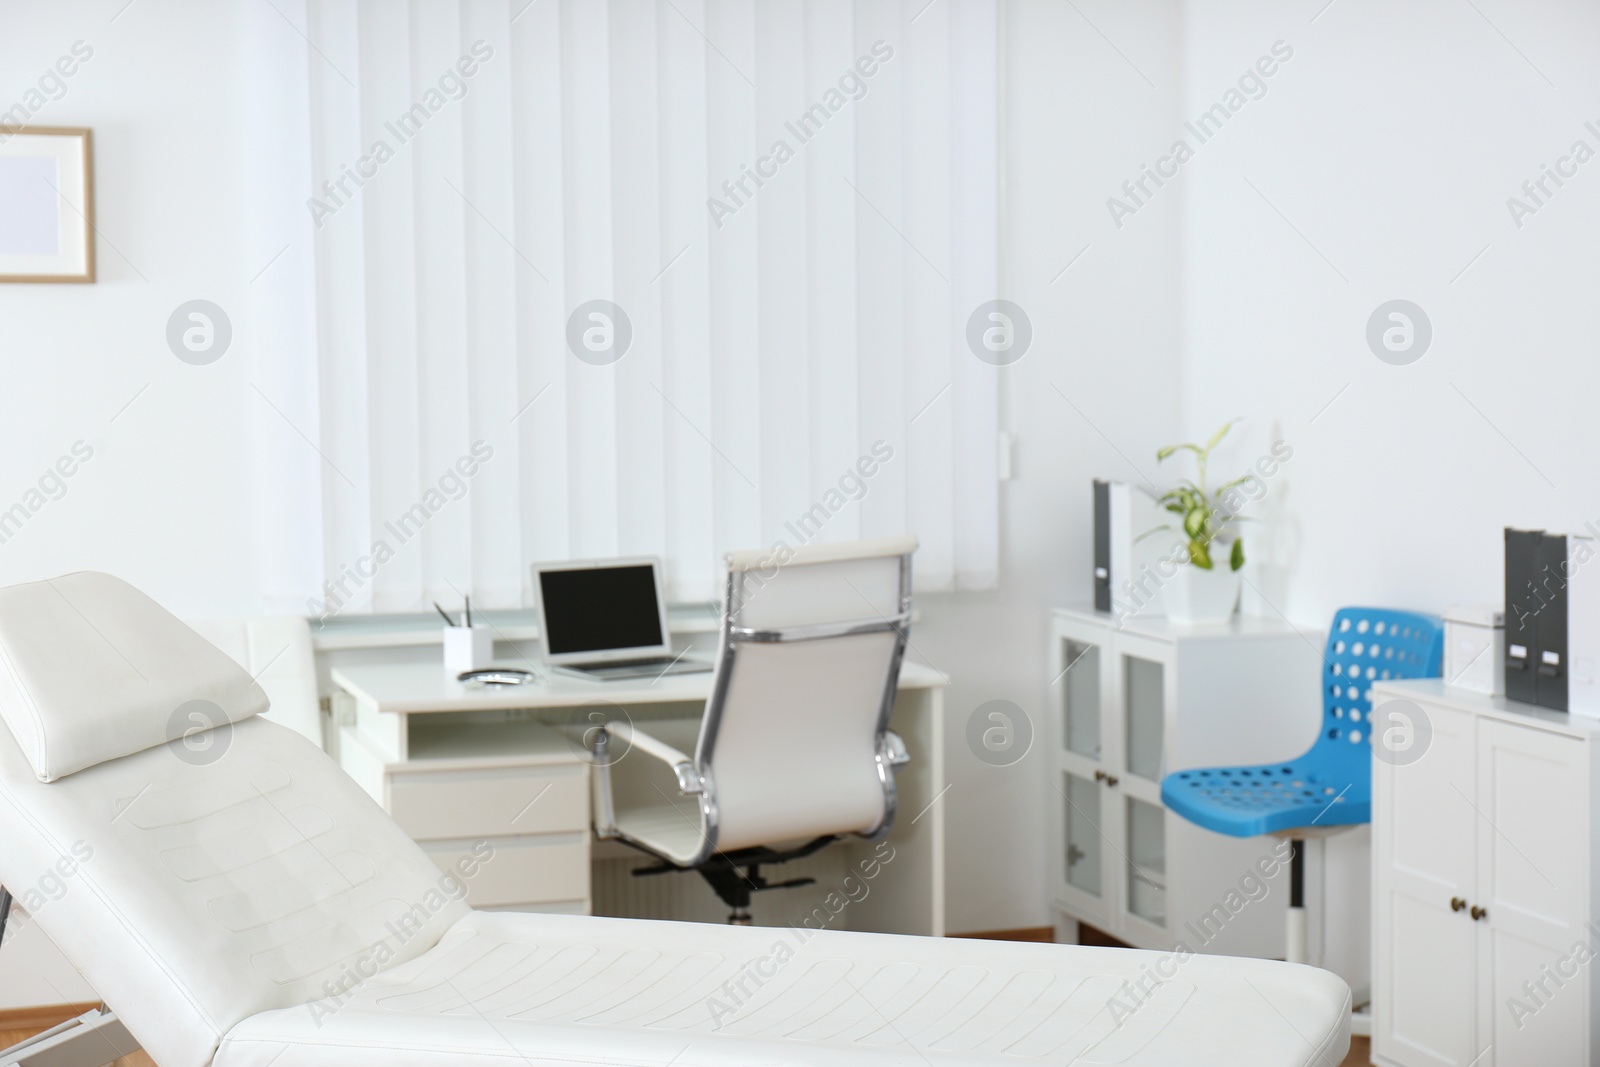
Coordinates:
[1331,785]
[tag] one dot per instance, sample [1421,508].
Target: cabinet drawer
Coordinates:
[433,805]
[519,870]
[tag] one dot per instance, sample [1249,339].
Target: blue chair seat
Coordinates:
[1246,801]
[1330,785]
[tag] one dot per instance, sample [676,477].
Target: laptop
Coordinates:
[606,620]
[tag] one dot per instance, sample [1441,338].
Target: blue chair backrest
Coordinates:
[1368,645]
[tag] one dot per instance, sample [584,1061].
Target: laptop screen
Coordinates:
[600,609]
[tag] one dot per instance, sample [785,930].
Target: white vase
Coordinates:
[1199,595]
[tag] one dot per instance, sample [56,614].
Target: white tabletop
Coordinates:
[1162,628]
[1496,707]
[404,688]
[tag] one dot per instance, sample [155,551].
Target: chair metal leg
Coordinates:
[93,1039]
[1295,933]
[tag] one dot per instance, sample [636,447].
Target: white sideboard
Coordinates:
[1133,700]
[1484,882]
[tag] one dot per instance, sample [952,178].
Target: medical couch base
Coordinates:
[93,1039]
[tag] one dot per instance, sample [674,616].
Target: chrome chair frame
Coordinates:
[696,776]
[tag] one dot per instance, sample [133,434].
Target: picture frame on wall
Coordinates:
[46,204]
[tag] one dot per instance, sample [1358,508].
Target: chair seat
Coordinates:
[1331,784]
[666,829]
[559,991]
[1270,798]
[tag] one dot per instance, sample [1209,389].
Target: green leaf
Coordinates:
[1236,558]
[1236,481]
[1217,437]
[1199,555]
[1194,524]
[1163,453]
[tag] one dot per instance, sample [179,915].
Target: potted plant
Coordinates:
[1206,579]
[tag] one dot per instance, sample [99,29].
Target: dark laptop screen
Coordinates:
[597,609]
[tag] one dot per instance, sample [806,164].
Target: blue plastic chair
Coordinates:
[1331,785]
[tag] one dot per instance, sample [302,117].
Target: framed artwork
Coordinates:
[46,204]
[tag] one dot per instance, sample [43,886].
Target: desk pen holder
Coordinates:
[467,648]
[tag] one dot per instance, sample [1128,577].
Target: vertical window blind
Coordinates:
[671,278]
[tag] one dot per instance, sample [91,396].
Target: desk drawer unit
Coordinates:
[519,870]
[535,818]
[433,805]
[533,814]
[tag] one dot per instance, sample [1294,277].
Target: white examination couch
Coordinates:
[238,901]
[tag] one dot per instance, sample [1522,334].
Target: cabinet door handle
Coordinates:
[1479,913]
[1456,904]
[1099,776]
[1111,780]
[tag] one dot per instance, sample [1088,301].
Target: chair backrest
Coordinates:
[1368,645]
[807,672]
[277,652]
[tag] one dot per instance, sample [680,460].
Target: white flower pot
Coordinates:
[1198,595]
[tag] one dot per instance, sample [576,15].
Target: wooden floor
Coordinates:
[1360,1047]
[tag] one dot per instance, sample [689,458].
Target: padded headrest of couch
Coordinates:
[91,670]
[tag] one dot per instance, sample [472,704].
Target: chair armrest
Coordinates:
[688,778]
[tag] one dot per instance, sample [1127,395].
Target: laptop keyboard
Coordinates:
[643,668]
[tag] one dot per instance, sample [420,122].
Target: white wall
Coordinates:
[182,147]
[1100,379]
[1391,142]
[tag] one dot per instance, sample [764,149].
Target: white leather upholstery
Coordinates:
[671,831]
[789,743]
[795,753]
[563,991]
[92,669]
[277,652]
[213,891]
[819,583]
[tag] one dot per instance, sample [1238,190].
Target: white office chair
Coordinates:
[795,749]
[242,903]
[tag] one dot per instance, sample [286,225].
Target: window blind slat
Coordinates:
[781,330]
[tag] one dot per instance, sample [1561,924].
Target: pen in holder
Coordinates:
[467,648]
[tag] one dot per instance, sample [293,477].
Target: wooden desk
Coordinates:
[503,769]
